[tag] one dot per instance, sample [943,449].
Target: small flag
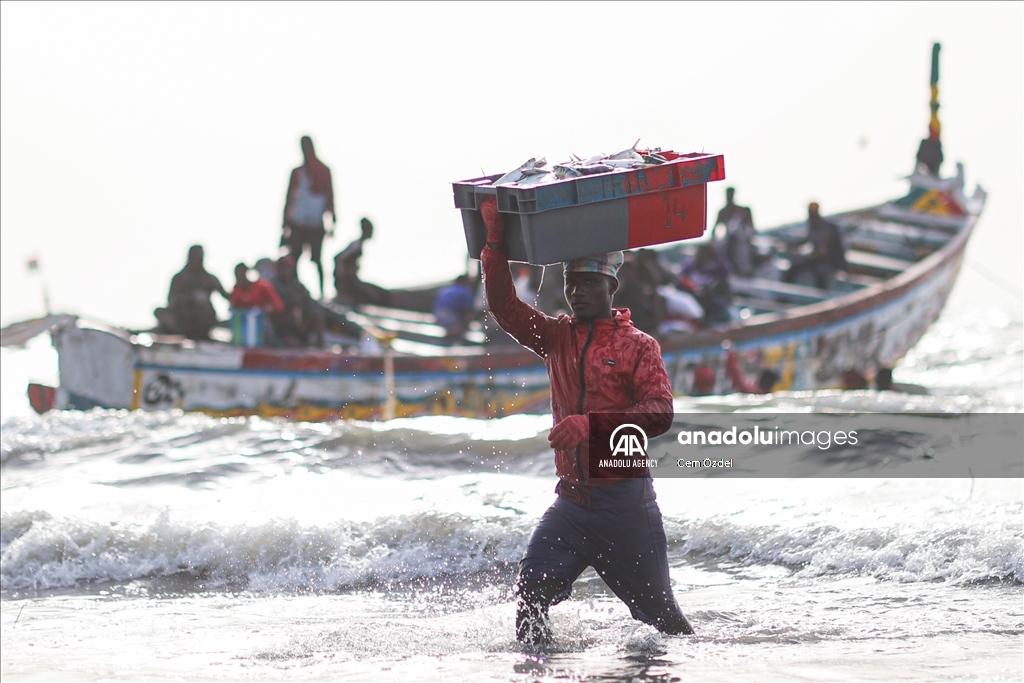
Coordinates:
[33,263]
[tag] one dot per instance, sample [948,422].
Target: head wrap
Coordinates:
[606,264]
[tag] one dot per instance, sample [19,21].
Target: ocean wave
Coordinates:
[969,552]
[44,552]
[98,429]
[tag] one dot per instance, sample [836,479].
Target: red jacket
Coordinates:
[622,369]
[260,294]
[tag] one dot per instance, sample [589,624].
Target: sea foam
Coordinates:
[41,552]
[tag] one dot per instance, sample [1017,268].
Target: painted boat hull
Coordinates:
[810,347]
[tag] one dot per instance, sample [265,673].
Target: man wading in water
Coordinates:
[597,363]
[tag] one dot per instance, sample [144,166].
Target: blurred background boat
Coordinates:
[902,264]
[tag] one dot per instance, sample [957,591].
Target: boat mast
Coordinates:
[929,154]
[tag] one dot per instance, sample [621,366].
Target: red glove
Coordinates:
[493,221]
[570,432]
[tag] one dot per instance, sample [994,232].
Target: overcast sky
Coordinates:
[130,131]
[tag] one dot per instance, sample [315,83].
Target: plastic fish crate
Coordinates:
[595,214]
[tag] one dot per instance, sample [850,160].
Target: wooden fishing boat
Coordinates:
[904,257]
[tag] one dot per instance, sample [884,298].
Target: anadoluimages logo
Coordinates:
[628,441]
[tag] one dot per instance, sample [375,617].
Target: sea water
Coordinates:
[178,546]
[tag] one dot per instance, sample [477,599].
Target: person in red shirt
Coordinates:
[254,294]
[597,362]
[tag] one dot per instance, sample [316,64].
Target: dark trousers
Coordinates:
[192,319]
[296,237]
[621,535]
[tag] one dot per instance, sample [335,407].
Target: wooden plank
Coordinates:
[760,286]
[375,312]
[906,234]
[859,280]
[766,305]
[470,338]
[410,330]
[871,245]
[864,259]
[423,332]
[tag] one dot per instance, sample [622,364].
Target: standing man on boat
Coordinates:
[739,235]
[310,196]
[707,279]
[597,363]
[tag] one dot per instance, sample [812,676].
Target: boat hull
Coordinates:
[811,347]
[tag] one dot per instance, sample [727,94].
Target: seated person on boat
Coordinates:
[189,311]
[249,295]
[825,255]
[351,291]
[683,313]
[639,279]
[707,279]
[454,307]
[301,323]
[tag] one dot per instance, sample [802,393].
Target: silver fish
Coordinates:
[537,179]
[624,163]
[563,171]
[510,177]
[627,153]
[517,174]
[591,169]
